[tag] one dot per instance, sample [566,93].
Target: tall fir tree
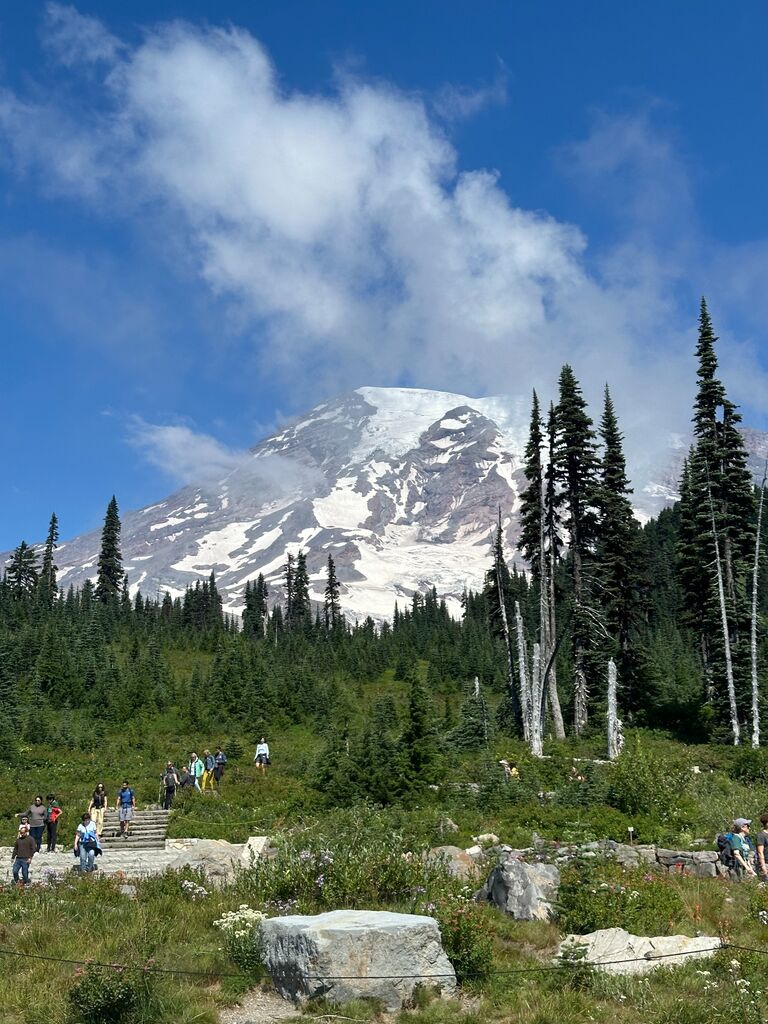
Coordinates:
[575,467]
[617,557]
[301,611]
[531,506]
[332,598]
[110,565]
[47,584]
[22,570]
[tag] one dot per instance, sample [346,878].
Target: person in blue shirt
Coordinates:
[742,848]
[125,805]
[87,844]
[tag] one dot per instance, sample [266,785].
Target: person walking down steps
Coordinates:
[171,782]
[97,807]
[218,772]
[36,816]
[261,757]
[209,766]
[196,769]
[125,806]
[52,815]
[87,846]
[24,849]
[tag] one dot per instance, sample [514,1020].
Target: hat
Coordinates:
[741,822]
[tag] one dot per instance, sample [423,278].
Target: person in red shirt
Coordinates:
[53,813]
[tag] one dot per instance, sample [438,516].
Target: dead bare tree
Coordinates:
[753,622]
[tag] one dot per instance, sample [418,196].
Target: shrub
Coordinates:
[465,937]
[648,781]
[107,995]
[644,904]
[242,934]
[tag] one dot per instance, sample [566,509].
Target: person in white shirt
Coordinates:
[87,843]
[262,755]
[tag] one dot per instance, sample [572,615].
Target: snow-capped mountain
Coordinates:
[401,486]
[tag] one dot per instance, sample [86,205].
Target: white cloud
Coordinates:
[74,38]
[188,456]
[340,228]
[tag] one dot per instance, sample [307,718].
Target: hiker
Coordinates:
[262,755]
[52,815]
[209,764]
[97,807]
[220,760]
[35,815]
[196,769]
[24,849]
[87,845]
[185,779]
[510,770]
[761,842]
[742,850]
[125,806]
[170,781]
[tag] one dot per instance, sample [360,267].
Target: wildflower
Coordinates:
[320,881]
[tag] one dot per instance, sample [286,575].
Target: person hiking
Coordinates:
[52,815]
[97,807]
[185,779]
[262,755]
[742,849]
[196,769]
[36,815]
[125,806]
[761,842]
[24,849]
[170,780]
[87,846]
[220,759]
[209,764]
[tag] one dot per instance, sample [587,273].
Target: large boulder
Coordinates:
[255,848]
[458,863]
[218,859]
[356,954]
[618,952]
[525,891]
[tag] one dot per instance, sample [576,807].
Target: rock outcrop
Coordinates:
[525,891]
[356,954]
[618,952]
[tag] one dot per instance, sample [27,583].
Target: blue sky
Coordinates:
[213,216]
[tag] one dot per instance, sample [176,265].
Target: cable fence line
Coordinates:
[508,972]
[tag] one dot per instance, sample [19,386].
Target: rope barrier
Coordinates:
[566,966]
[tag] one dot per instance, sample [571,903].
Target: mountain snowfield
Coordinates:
[400,485]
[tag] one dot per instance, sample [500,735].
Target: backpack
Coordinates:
[725,850]
[170,780]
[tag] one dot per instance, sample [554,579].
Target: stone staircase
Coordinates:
[148,829]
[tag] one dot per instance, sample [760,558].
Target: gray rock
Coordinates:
[218,859]
[618,952]
[356,954]
[458,862]
[448,825]
[128,890]
[525,891]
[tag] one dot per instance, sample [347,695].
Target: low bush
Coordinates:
[108,995]
[644,904]
[466,938]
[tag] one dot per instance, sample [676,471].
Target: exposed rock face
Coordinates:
[356,954]
[218,859]
[525,891]
[608,947]
[459,863]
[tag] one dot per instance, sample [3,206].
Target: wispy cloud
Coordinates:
[73,38]
[353,249]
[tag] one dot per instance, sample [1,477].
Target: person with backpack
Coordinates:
[209,764]
[87,845]
[97,807]
[196,769]
[742,849]
[125,806]
[52,815]
[220,760]
[170,781]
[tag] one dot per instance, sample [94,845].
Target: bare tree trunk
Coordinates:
[525,679]
[615,731]
[537,702]
[726,637]
[507,644]
[753,622]
[547,612]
